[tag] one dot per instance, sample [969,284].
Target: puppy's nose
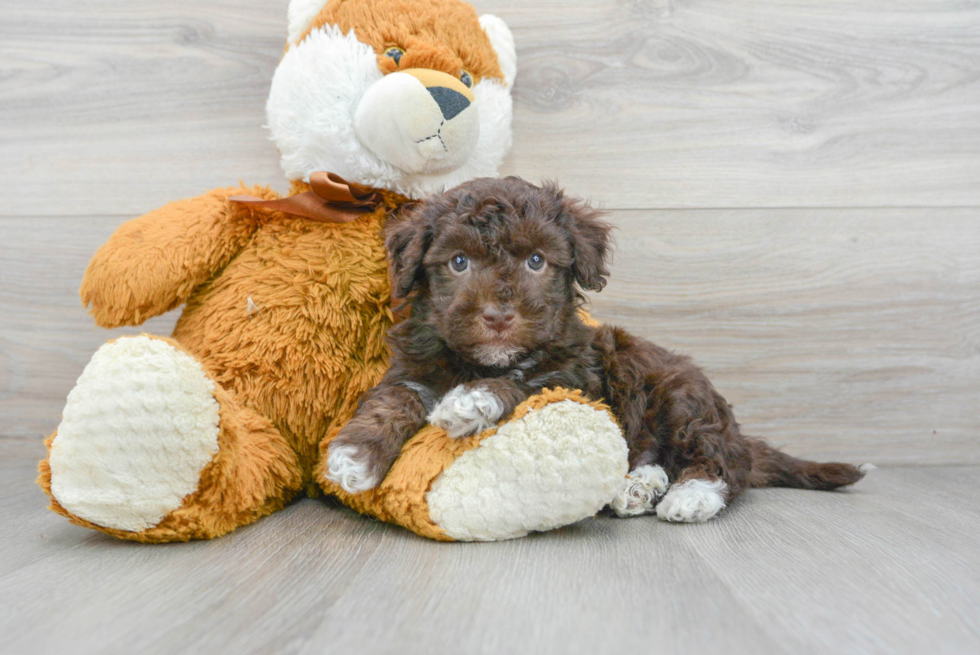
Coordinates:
[498,319]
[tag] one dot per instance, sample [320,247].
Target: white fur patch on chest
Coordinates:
[491,355]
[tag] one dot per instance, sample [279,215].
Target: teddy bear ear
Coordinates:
[503,44]
[299,16]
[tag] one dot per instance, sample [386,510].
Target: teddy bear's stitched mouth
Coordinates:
[437,135]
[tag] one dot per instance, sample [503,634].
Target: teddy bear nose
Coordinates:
[450,102]
[498,319]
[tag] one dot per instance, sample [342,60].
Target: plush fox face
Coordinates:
[407,95]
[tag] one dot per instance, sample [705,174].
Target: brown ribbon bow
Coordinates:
[332,200]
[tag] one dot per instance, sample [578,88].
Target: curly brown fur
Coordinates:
[486,325]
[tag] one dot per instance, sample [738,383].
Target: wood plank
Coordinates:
[599,586]
[890,566]
[837,334]
[123,107]
[298,565]
[899,551]
[46,336]
[760,103]
[126,106]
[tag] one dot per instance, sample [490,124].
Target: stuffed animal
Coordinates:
[287,302]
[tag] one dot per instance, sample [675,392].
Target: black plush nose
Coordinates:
[497,319]
[450,102]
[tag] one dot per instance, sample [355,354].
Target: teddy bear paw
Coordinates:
[465,411]
[137,430]
[556,465]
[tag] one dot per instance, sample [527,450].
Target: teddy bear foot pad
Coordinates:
[557,465]
[137,430]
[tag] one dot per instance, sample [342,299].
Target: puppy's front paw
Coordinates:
[350,467]
[464,411]
[642,489]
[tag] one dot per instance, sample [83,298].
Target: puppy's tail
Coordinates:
[773,468]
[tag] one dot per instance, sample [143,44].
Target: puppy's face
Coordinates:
[495,264]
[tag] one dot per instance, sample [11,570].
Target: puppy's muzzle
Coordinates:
[419,120]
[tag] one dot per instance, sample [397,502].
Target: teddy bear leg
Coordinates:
[558,460]
[151,449]
[543,469]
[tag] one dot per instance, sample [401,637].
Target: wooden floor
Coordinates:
[796,187]
[889,567]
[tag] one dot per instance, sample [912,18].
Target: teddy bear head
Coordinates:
[413,96]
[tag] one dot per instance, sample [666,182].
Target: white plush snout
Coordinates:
[421,128]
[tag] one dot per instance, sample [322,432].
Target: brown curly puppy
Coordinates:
[492,272]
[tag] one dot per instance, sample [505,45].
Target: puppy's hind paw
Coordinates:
[464,411]
[350,468]
[641,490]
[694,501]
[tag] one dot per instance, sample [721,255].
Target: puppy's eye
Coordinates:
[395,53]
[459,263]
[535,262]
[466,78]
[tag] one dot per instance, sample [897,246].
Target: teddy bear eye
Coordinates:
[395,53]
[535,262]
[459,263]
[466,78]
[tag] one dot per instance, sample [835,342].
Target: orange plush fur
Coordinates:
[434,34]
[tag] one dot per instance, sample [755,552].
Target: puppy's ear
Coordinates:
[407,239]
[590,239]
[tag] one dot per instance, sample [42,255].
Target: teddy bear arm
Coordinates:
[153,263]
